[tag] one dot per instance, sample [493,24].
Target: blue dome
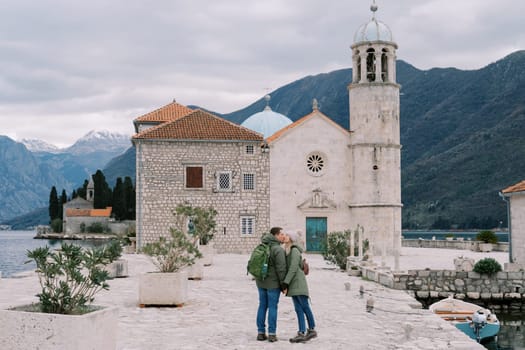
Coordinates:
[266,122]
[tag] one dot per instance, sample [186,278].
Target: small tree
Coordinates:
[70,277]
[200,221]
[337,248]
[173,253]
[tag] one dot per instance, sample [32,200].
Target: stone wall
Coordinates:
[453,244]
[161,187]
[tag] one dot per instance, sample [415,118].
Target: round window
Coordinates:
[315,163]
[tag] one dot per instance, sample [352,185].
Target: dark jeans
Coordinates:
[268,300]
[302,309]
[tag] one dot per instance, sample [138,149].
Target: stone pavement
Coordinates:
[220,313]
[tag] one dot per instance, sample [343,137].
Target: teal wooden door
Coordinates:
[315,234]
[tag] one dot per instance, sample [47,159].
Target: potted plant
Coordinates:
[449,237]
[118,266]
[169,285]
[487,238]
[64,317]
[200,224]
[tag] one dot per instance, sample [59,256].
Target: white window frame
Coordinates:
[230,180]
[244,182]
[247,225]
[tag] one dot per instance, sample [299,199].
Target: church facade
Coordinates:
[311,175]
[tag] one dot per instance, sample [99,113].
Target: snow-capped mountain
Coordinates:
[35,145]
[95,141]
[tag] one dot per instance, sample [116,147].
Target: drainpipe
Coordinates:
[508,224]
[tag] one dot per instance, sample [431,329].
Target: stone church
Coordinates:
[310,175]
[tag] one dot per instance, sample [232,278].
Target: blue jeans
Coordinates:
[268,300]
[302,309]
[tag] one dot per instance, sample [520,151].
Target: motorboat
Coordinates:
[475,321]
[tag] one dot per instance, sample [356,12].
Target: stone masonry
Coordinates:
[161,187]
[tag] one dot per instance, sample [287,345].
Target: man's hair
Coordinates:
[275,230]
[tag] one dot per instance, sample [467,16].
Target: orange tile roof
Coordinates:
[168,113]
[519,187]
[89,212]
[298,122]
[77,212]
[101,212]
[199,125]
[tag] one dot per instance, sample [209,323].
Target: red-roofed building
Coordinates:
[79,214]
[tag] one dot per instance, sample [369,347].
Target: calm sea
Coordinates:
[14,246]
[503,236]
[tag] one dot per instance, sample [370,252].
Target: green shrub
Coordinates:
[336,249]
[487,266]
[98,227]
[56,225]
[70,277]
[487,236]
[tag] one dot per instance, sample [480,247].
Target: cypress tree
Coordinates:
[63,199]
[53,204]
[119,200]
[102,192]
[129,191]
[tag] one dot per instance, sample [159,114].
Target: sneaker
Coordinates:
[310,334]
[299,338]
[261,336]
[272,338]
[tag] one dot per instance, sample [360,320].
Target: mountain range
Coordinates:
[461,132]
[29,168]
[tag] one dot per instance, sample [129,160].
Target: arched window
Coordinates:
[370,65]
[384,65]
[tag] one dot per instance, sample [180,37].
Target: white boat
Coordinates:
[473,320]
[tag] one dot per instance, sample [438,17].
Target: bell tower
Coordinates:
[375,201]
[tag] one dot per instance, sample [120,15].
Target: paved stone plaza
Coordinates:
[221,311]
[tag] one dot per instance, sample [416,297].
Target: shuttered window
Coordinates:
[194,177]
[247,225]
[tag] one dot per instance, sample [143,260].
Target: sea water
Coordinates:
[15,244]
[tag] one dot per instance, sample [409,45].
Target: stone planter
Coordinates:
[195,271]
[485,247]
[355,273]
[207,254]
[163,288]
[118,268]
[23,330]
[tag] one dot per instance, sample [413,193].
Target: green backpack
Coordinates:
[258,263]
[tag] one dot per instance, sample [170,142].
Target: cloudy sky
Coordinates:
[68,66]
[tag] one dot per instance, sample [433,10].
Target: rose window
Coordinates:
[315,163]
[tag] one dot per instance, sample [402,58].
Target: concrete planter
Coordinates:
[207,254]
[355,273]
[163,288]
[22,330]
[118,268]
[485,247]
[195,271]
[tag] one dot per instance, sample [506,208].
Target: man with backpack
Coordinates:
[269,287]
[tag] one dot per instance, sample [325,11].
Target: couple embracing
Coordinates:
[285,274]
